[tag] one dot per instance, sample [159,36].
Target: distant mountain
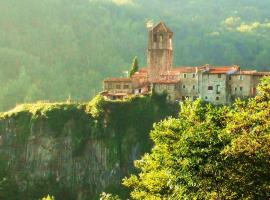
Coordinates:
[57,49]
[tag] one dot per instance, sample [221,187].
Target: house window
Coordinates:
[235,89]
[210,87]
[241,89]
[218,89]
[126,86]
[183,98]
[184,86]
[194,98]
[193,75]
[185,75]
[230,78]
[217,98]
[219,75]
[118,86]
[194,87]
[110,86]
[206,97]
[241,78]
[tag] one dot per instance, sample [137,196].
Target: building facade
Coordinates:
[215,84]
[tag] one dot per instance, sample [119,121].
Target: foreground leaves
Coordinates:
[209,153]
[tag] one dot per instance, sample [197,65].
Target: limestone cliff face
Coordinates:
[76,151]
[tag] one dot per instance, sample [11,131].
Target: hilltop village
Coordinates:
[215,84]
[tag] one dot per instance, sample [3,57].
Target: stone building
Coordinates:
[215,84]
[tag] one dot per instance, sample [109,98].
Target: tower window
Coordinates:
[185,75]
[241,89]
[193,75]
[217,98]
[155,37]
[160,38]
[219,75]
[184,86]
[194,87]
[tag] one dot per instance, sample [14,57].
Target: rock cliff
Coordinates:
[75,151]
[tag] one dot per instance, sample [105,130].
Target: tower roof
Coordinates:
[161,26]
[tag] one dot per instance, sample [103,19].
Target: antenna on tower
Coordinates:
[149,24]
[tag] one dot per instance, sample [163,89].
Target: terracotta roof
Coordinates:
[245,72]
[163,25]
[118,80]
[262,74]
[165,81]
[117,94]
[139,74]
[185,69]
[252,72]
[221,69]
[143,70]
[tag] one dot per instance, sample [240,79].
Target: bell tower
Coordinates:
[160,50]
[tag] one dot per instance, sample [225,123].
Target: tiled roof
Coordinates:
[221,69]
[161,81]
[245,72]
[118,80]
[163,25]
[252,72]
[262,74]
[184,69]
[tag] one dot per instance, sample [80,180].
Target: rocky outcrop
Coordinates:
[76,151]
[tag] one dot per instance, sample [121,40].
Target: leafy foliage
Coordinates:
[134,67]
[51,50]
[209,153]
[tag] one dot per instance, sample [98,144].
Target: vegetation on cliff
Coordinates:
[209,152]
[118,125]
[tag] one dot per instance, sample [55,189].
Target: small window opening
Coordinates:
[155,37]
[210,87]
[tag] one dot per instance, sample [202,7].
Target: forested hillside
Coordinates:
[53,49]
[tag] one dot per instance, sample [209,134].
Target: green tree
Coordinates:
[134,67]
[209,153]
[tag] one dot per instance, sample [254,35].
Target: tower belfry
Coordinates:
[160,50]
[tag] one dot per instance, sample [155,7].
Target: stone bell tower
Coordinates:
[160,50]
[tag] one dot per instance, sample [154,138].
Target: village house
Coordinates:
[215,84]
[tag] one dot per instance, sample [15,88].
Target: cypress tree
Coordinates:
[134,67]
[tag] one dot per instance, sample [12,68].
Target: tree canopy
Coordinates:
[54,49]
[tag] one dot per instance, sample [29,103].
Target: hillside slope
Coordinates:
[59,48]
